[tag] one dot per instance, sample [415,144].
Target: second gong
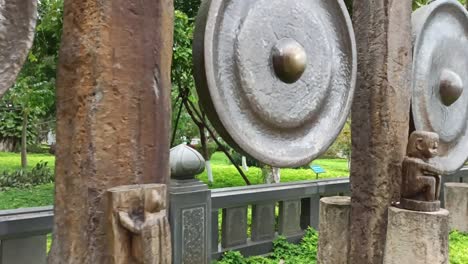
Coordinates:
[276,78]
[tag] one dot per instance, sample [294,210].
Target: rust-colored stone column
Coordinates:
[113,115]
[380,118]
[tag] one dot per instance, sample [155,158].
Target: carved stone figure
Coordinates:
[140,229]
[420,187]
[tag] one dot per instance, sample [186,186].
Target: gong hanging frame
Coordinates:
[440,78]
[276,78]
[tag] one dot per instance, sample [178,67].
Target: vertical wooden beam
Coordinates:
[113,115]
[380,118]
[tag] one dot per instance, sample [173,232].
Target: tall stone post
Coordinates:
[417,237]
[456,202]
[380,118]
[113,115]
[333,243]
[190,211]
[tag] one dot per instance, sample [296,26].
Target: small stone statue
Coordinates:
[421,176]
[140,228]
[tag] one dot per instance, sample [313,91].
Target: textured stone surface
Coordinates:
[289,219]
[18,20]
[193,235]
[288,85]
[190,219]
[417,237]
[380,117]
[456,202]
[138,229]
[24,250]
[113,115]
[440,82]
[263,221]
[234,227]
[334,230]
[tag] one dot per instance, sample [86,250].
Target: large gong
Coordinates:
[276,77]
[440,78]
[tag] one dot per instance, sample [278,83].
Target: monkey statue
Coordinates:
[421,180]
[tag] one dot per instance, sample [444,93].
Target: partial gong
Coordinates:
[440,78]
[17,23]
[276,77]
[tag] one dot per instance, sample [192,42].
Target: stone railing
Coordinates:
[23,235]
[205,223]
[282,209]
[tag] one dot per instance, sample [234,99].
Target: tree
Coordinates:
[188,7]
[32,99]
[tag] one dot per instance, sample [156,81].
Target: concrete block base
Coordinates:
[417,237]
[456,202]
[334,232]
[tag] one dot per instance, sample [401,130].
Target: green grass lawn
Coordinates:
[12,161]
[225,175]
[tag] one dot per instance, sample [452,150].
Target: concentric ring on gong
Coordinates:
[276,77]
[440,78]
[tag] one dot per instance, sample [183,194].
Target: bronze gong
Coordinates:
[440,78]
[276,77]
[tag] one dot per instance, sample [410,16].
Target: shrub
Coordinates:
[458,248]
[40,174]
[304,253]
[39,148]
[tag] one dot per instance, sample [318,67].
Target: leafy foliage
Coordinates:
[419,3]
[458,248]
[304,253]
[182,79]
[189,7]
[40,174]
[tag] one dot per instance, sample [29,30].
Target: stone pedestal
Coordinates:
[334,232]
[190,221]
[456,202]
[416,237]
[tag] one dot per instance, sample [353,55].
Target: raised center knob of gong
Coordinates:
[289,60]
[450,87]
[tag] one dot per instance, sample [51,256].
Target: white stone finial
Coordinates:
[185,162]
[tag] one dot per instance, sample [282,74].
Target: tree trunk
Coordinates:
[380,118]
[113,115]
[271,174]
[244,163]
[24,141]
[205,152]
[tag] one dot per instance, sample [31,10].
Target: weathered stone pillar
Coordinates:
[190,208]
[334,230]
[417,237]
[456,202]
[380,118]
[113,115]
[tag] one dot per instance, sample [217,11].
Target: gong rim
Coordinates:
[17,29]
[435,54]
[208,89]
